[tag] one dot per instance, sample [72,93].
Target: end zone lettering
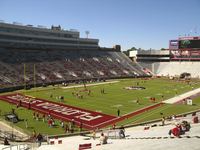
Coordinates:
[69,111]
[24,99]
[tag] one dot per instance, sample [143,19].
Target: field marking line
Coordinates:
[124,116]
[94,84]
[117,105]
[149,114]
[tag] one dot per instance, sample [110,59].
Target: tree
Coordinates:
[162,49]
[128,50]
[133,48]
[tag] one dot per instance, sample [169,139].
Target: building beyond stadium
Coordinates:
[183,56]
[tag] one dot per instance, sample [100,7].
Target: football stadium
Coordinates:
[72,86]
[60,91]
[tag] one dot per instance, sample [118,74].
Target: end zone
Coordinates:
[89,119]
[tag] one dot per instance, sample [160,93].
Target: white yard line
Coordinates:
[182,96]
[76,86]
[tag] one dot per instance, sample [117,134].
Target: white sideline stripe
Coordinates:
[122,115]
[149,114]
[69,87]
[182,96]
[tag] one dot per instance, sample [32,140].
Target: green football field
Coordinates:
[115,97]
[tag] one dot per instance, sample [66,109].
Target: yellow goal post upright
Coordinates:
[34,77]
[24,76]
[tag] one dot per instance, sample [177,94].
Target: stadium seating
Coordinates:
[54,66]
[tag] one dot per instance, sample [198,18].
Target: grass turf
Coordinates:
[115,97]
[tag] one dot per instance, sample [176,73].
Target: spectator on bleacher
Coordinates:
[121,132]
[94,134]
[39,139]
[194,114]
[186,126]
[163,121]
[175,132]
[180,127]
[103,139]
[195,119]
[173,117]
[6,141]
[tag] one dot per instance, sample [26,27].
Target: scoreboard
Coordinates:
[185,43]
[185,48]
[189,42]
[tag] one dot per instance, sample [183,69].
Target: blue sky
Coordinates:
[140,23]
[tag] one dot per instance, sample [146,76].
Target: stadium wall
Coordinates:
[173,68]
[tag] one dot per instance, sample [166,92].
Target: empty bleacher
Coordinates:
[54,66]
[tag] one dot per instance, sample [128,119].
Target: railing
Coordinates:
[19,147]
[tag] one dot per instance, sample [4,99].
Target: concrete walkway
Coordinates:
[155,138]
[182,96]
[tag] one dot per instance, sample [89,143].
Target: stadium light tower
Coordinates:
[87,33]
